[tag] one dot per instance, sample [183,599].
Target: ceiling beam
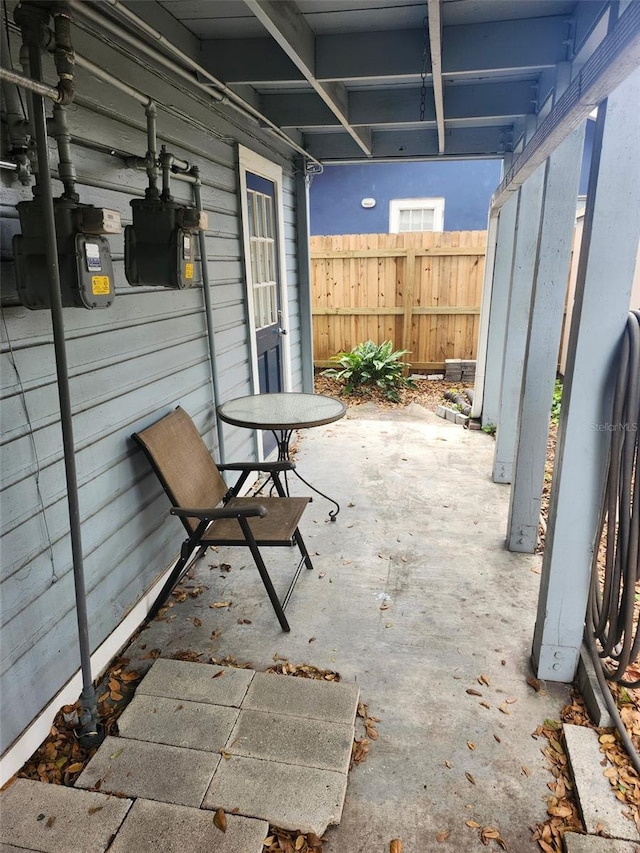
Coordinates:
[414,144]
[527,45]
[288,27]
[400,105]
[434,10]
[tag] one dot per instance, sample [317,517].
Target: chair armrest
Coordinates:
[246,510]
[258,466]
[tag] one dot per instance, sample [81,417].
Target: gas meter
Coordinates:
[159,248]
[86,272]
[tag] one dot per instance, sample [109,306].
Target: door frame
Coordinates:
[249,161]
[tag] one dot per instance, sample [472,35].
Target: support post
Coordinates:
[543,341]
[498,309]
[524,262]
[605,275]
[304,275]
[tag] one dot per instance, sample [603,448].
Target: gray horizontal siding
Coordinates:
[127,365]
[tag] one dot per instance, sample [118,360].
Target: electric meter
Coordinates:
[159,247]
[84,257]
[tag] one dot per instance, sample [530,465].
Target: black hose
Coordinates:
[612,632]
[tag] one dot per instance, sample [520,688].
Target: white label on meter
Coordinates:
[92,254]
[186,246]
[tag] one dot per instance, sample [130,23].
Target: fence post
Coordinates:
[408,292]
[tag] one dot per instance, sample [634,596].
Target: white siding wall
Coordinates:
[140,358]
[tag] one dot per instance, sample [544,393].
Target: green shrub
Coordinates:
[372,364]
[557,401]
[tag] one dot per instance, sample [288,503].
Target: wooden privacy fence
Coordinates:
[420,290]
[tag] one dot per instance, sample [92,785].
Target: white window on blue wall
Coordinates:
[416,214]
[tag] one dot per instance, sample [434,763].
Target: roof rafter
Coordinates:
[288,27]
[434,9]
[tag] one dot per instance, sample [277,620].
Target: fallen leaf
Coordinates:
[197,622]
[442,836]
[498,740]
[473,692]
[76,767]
[396,846]
[447,764]
[535,683]
[472,824]
[94,809]
[244,621]
[503,708]
[485,705]
[470,778]
[483,679]
[299,842]
[220,820]
[471,745]
[311,640]
[50,821]
[218,674]
[526,770]
[217,604]
[224,754]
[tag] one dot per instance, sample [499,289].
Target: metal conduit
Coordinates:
[209,315]
[88,733]
[223,95]
[612,632]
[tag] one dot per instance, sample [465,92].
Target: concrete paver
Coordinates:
[575,843]
[303,697]
[598,805]
[52,818]
[9,848]
[152,826]
[151,770]
[292,740]
[422,523]
[286,795]
[196,682]
[193,725]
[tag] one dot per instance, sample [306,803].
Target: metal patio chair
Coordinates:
[211,512]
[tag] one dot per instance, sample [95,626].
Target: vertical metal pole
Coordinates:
[88,717]
[208,310]
[305,295]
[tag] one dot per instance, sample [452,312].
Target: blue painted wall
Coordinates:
[466,186]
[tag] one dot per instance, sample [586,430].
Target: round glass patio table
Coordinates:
[282,414]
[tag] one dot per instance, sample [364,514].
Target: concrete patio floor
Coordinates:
[415,600]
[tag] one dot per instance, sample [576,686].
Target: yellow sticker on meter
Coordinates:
[188,270]
[100,285]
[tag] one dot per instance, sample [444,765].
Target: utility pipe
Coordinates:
[17,126]
[66,167]
[36,86]
[209,315]
[150,110]
[88,715]
[224,95]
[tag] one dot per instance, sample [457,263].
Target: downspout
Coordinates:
[209,314]
[31,21]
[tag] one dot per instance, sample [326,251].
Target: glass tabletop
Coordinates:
[281,411]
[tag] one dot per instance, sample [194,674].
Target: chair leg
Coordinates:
[297,536]
[178,570]
[264,574]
